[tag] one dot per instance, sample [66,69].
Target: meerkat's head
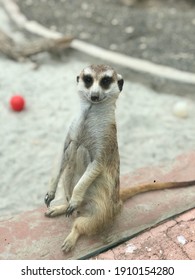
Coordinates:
[97,83]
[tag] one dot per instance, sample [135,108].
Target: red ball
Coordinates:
[17,103]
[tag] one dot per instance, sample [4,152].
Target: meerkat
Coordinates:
[90,164]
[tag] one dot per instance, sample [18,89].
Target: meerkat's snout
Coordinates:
[95,96]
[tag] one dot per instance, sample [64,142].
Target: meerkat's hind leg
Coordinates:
[87,225]
[70,241]
[80,226]
[56,210]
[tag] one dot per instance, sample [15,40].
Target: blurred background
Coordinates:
[161,31]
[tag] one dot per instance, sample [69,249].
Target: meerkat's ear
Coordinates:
[77,79]
[120,82]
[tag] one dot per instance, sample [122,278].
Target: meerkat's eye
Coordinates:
[106,81]
[88,80]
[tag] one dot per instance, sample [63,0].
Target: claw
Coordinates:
[70,210]
[66,247]
[46,199]
[49,198]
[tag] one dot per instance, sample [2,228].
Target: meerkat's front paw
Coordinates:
[70,209]
[49,197]
[73,205]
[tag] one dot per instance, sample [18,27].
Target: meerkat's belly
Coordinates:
[78,160]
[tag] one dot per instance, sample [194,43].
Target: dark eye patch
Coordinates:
[105,82]
[88,80]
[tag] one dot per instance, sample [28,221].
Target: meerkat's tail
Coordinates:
[132,191]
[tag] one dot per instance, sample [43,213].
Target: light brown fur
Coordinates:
[90,161]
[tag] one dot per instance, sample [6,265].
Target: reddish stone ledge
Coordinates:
[172,240]
[31,235]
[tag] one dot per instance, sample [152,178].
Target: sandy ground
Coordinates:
[148,131]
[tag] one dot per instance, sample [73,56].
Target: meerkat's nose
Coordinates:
[95,96]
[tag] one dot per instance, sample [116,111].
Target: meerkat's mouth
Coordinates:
[96,101]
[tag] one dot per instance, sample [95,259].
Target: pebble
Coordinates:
[181,109]
[181,239]
[84,6]
[29,2]
[142,46]
[113,47]
[84,35]
[129,29]
[130,248]
[115,22]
